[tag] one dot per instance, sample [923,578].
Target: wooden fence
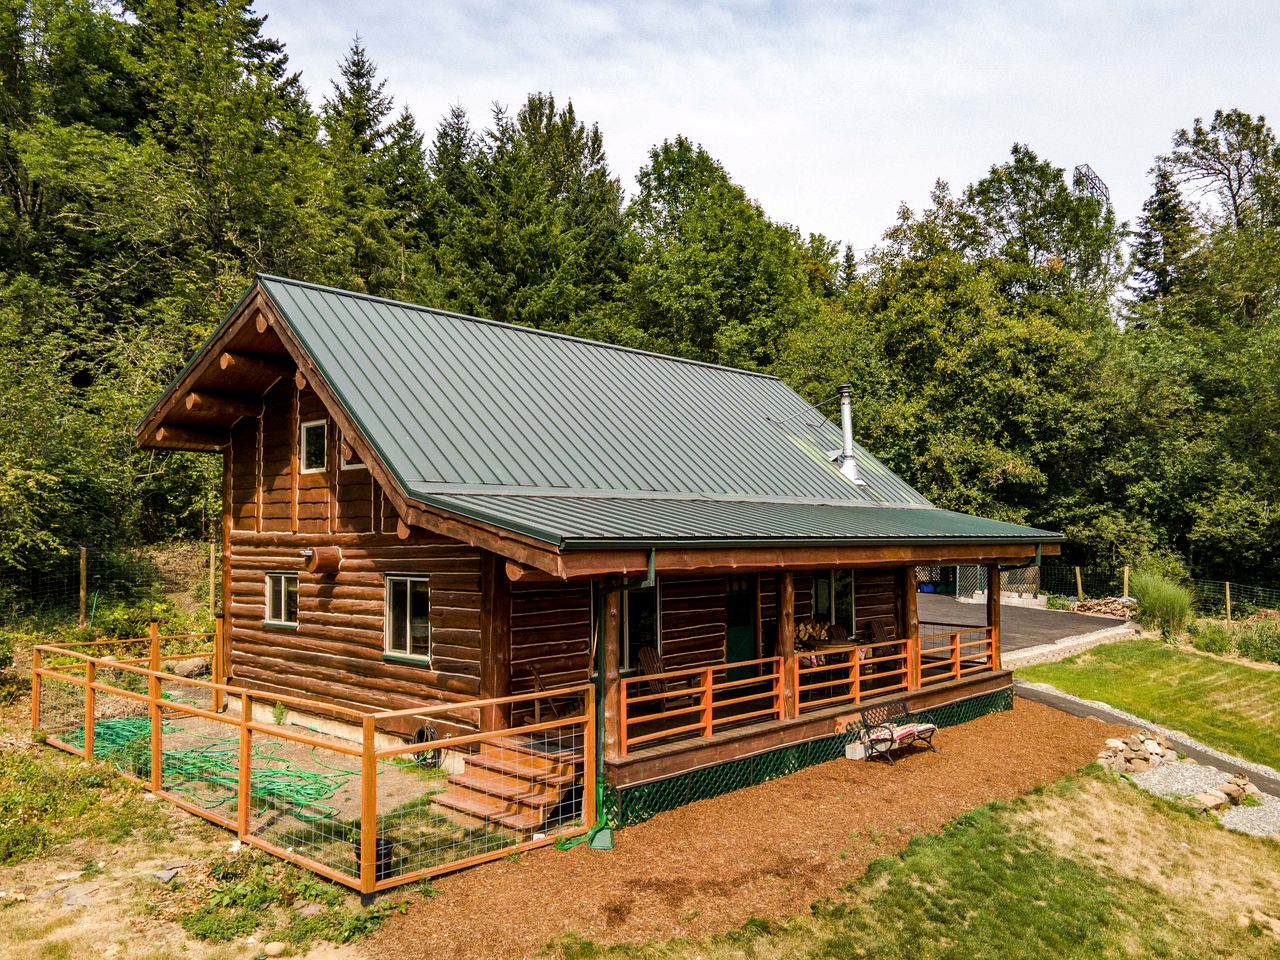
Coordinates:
[306,795]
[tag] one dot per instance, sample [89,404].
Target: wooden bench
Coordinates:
[888,726]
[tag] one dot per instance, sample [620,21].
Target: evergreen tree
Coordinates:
[1165,237]
[354,115]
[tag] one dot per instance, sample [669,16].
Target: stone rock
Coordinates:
[177,865]
[80,895]
[1139,765]
[1232,791]
[164,876]
[1151,746]
[275,948]
[309,910]
[62,877]
[1133,742]
[1209,801]
[1115,744]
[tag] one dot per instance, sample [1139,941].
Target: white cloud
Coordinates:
[830,114]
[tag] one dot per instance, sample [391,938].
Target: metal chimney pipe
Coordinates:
[846,419]
[848,465]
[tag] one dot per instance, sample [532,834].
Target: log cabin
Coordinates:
[420,506]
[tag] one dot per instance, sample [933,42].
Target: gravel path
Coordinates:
[1263,821]
[1179,779]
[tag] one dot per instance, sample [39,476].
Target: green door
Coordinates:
[740,639]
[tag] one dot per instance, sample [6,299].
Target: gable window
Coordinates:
[408,617]
[640,624]
[313,445]
[282,598]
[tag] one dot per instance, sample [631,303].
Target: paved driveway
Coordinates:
[1020,627]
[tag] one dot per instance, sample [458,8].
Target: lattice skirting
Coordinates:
[632,805]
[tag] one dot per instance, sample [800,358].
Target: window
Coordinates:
[408,618]
[313,443]
[640,624]
[282,598]
[833,598]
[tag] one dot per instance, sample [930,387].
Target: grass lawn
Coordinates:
[1089,868]
[1230,706]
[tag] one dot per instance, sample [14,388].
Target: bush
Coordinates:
[1163,605]
[1210,636]
[1259,640]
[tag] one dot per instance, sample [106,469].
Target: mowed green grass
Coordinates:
[1231,706]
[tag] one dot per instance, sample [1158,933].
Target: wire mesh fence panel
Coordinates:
[442,805]
[1024,582]
[1094,582]
[200,761]
[304,798]
[60,711]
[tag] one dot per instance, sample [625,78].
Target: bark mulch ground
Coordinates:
[768,851]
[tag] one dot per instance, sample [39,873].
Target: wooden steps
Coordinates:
[514,783]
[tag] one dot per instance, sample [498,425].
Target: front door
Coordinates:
[740,639]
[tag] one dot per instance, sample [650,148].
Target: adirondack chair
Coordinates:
[551,705]
[651,668]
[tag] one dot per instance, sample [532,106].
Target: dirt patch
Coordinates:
[1182,857]
[768,851]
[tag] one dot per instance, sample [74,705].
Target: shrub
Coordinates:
[1211,636]
[1163,605]
[1259,640]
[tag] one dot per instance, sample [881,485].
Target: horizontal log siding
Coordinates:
[550,629]
[693,621]
[336,652]
[875,599]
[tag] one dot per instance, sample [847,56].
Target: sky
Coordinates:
[830,114]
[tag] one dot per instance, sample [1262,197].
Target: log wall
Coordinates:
[336,652]
[693,620]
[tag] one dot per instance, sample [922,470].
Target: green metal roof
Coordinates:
[581,443]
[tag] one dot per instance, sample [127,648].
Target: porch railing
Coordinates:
[698,701]
[955,654]
[851,674]
[338,792]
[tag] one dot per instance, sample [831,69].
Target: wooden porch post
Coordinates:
[612,673]
[910,624]
[993,611]
[787,641]
[495,642]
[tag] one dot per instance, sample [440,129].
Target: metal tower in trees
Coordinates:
[1086,180]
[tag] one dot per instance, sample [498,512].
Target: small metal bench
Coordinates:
[888,726]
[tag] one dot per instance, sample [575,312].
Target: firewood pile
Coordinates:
[1103,606]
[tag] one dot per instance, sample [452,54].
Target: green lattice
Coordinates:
[637,804]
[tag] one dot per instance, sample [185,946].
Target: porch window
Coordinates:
[408,617]
[833,599]
[313,444]
[282,598]
[640,621]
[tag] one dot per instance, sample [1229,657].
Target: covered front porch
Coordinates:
[812,681]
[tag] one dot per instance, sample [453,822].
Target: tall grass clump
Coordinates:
[1259,640]
[1163,605]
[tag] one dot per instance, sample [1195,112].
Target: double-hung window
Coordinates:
[282,598]
[408,617]
[313,445]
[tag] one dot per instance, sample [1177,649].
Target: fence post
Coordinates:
[213,577]
[157,751]
[708,705]
[244,788]
[84,586]
[218,666]
[90,705]
[35,690]
[1079,586]
[589,773]
[369,810]
[1125,591]
[155,644]
[955,655]
[1228,588]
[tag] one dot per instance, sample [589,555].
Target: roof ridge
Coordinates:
[514,326]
